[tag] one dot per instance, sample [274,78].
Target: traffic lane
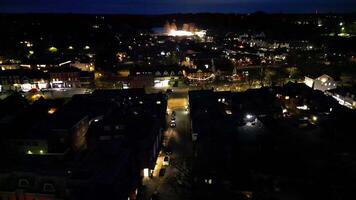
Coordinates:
[179,136]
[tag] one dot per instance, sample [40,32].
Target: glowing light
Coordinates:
[41,151]
[146,172]
[304,107]
[161,84]
[52,49]
[52,110]
[181,33]
[248,116]
[284,111]
[286,98]
[315,118]
[87,47]
[29,152]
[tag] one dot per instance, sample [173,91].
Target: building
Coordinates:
[96,146]
[322,83]
[23,80]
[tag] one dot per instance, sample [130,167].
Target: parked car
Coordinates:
[173,124]
[166,160]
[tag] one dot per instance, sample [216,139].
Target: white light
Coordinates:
[158,102]
[161,84]
[206,66]
[180,33]
[41,151]
[29,152]
[248,116]
[284,111]
[304,107]
[96,120]
[146,172]
[287,97]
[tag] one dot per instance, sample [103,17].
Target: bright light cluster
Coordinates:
[181,33]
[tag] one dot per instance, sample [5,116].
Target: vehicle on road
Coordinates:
[173,124]
[166,160]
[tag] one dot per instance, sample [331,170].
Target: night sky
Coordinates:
[176,6]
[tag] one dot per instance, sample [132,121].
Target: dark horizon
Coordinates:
[158,7]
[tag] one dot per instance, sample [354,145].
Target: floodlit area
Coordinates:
[181,33]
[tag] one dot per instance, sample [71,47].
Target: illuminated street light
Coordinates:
[29,152]
[248,116]
[52,49]
[41,151]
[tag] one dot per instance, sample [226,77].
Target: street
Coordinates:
[176,182]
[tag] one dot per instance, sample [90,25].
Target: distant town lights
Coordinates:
[181,33]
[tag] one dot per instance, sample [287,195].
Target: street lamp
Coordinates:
[249,116]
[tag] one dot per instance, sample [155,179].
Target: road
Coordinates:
[57,93]
[176,182]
